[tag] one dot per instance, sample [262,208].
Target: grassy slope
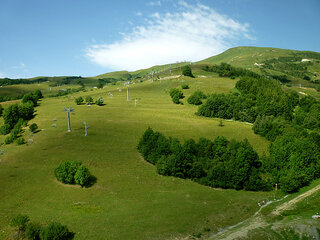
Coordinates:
[115,75]
[247,56]
[129,200]
[142,73]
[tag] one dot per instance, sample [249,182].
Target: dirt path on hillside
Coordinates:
[171,77]
[257,221]
[291,203]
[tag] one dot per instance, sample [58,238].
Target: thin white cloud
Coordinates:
[154,3]
[139,14]
[194,33]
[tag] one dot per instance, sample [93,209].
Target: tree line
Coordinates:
[17,115]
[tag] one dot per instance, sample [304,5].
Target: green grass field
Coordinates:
[129,200]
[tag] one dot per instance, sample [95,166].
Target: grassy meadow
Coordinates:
[129,200]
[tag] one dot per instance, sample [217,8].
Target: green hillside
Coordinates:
[129,199]
[299,67]
[116,75]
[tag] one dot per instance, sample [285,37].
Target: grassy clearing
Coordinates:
[305,91]
[130,200]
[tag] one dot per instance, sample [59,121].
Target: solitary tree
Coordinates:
[186,71]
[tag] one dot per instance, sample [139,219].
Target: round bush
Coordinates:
[79,100]
[21,141]
[82,176]
[185,86]
[193,99]
[65,171]
[33,127]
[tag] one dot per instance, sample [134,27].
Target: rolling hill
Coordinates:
[129,200]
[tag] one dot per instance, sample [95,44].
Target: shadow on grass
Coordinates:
[92,180]
[70,236]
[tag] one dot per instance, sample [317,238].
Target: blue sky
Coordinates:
[91,37]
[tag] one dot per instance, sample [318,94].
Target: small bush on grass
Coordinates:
[79,100]
[185,86]
[196,97]
[176,95]
[99,101]
[21,141]
[33,127]
[89,100]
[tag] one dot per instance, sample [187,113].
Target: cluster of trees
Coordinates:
[196,98]
[8,98]
[35,231]
[58,81]
[176,94]
[68,91]
[17,115]
[299,69]
[227,70]
[290,122]
[218,163]
[32,97]
[89,101]
[104,81]
[258,96]
[73,173]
